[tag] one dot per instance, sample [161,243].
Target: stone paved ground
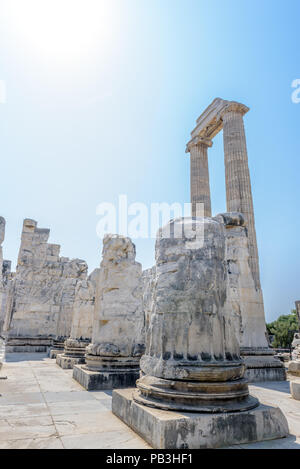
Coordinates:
[43,407]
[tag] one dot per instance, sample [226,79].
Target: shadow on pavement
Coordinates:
[280,386]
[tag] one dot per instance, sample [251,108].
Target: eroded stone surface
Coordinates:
[83,309]
[295,390]
[294,365]
[175,430]
[42,292]
[148,279]
[296,341]
[192,361]
[228,115]
[82,323]
[246,301]
[118,327]
[2,235]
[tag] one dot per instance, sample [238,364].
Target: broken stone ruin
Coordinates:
[82,323]
[192,392]
[112,359]
[180,343]
[41,294]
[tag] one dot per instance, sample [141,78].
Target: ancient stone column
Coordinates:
[294,365]
[246,302]
[257,353]
[238,184]
[112,359]
[82,323]
[192,364]
[199,175]
[2,235]
[148,278]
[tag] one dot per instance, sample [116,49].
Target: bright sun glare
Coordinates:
[63,28]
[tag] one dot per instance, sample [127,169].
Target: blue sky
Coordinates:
[112,116]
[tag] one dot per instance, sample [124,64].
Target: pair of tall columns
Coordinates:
[237,176]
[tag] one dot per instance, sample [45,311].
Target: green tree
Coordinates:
[283,329]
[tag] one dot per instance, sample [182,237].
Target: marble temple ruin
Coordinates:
[112,359]
[178,342]
[228,116]
[82,323]
[42,291]
[192,392]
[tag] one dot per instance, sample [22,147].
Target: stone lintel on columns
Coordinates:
[209,124]
[233,106]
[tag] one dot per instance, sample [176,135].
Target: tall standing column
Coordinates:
[238,185]
[200,190]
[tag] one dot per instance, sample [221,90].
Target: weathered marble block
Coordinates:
[82,322]
[294,365]
[192,364]
[112,359]
[295,389]
[148,278]
[2,288]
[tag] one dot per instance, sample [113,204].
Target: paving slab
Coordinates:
[87,422]
[37,443]
[26,427]
[23,410]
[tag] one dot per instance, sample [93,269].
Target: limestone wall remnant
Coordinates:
[42,292]
[246,301]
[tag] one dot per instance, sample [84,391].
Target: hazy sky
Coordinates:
[101,97]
